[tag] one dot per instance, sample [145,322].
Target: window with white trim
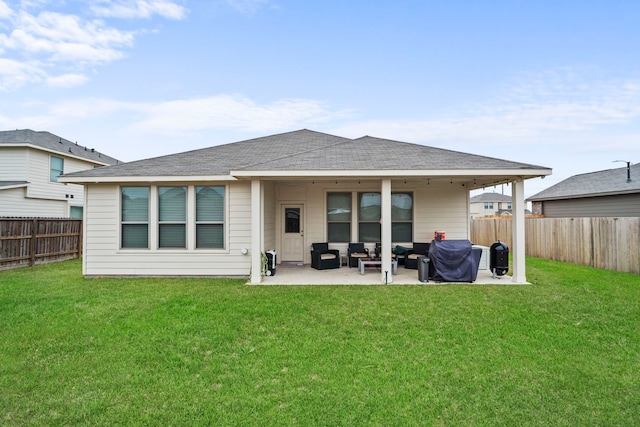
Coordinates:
[339,217]
[172,217]
[210,213]
[369,216]
[56,168]
[134,216]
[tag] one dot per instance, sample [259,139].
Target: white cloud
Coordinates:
[232,112]
[140,9]
[14,74]
[67,38]
[5,10]
[187,115]
[534,109]
[67,80]
[52,43]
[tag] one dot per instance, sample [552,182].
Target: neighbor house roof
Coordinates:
[53,143]
[305,153]
[601,183]
[490,197]
[12,184]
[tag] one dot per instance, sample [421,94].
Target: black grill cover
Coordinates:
[454,261]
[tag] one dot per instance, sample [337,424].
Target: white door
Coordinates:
[292,233]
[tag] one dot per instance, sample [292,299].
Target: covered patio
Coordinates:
[295,274]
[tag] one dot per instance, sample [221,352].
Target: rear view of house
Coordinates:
[216,211]
[30,164]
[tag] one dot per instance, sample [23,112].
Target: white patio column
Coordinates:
[385,238]
[256,231]
[518,232]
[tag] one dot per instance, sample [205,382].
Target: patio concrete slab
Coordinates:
[295,274]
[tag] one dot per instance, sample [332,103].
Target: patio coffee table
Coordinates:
[367,262]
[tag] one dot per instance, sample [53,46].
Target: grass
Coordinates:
[564,351]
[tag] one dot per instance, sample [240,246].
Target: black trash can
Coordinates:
[499,259]
[423,269]
[271,263]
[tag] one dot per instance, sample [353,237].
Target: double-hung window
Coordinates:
[210,217]
[339,217]
[369,210]
[134,205]
[369,216]
[172,217]
[56,168]
[402,217]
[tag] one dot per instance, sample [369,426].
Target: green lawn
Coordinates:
[564,351]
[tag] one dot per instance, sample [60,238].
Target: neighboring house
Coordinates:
[30,163]
[607,193]
[215,211]
[489,204]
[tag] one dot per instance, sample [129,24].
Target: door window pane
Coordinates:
[292,220]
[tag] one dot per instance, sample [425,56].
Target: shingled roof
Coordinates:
[490,197]
[601,183]
[51,142]
[306,150]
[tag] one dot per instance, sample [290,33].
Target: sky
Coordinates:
[554,83]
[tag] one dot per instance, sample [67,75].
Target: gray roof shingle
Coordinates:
[4,184]
[304,150]
[52,142]
[490,197]
[601,183]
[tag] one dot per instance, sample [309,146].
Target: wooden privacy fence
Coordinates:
[31,241]
[609,243]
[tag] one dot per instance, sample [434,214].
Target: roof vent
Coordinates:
[628,168]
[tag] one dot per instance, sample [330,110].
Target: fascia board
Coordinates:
[56,152]
[584,195]
[395,173]
[145,179]
[10,187]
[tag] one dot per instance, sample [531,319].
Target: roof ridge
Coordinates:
[297,153]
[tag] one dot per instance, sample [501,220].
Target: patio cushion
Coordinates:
[414,256]
[359,254]
[327,256]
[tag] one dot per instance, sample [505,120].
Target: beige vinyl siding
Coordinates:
[103,255]
[15,204]
[316,217]
[270,215]
[622,205]
[41,187]
[440,208]
[13,164]
[40,197]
